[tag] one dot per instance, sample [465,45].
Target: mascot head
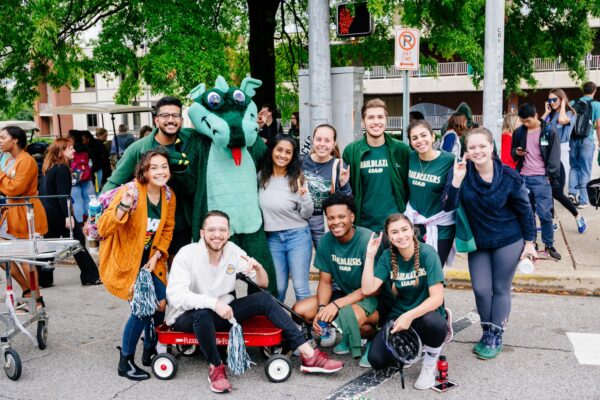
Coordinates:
[227,115]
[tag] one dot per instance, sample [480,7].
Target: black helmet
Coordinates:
[404,346]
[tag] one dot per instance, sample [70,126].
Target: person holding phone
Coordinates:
[560,116]
[286,207]
[411,270]
[137,228]
[496,204]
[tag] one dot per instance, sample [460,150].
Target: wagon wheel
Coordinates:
[278,368]
[188,350]
[42,334]
[164,366]
[12,364]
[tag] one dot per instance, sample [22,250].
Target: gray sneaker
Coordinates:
[426,378]
[329,336]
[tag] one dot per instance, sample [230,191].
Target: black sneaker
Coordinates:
[573,199]
[553,253]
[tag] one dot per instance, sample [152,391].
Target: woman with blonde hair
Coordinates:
[509,124]
[57,181]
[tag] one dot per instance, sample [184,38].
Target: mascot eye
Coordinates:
[239,96]
[213,99]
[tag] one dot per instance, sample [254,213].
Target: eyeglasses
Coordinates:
[552,100]
[222,231]
[166,116]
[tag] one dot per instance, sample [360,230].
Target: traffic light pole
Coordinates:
[319,63]
[493,68]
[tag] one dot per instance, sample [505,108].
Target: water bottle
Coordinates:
[324,331]
[442,366]
[94,211]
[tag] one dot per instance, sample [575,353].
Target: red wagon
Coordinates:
[258,332]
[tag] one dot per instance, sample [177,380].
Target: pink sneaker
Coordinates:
[320,362]
[217,376]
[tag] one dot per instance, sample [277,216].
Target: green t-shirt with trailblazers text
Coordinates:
[410,296]
[426,181]
[151,228]
[378,197]
[344,261]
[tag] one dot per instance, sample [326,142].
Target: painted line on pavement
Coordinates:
[372,379]
[586,347]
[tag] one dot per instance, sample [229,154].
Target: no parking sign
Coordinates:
[406,50]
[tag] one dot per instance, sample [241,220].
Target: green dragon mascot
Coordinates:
[229,156]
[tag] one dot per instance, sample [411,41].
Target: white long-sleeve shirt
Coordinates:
[194,283]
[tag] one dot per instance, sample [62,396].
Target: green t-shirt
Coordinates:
[151,228]
[410,296]
[378,197]
[344,261]
[426,181]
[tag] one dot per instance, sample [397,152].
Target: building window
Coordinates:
[90,86]
[92,121]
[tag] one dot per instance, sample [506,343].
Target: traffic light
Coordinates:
[357,23]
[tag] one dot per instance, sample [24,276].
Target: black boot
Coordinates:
[129,370]
[147,356]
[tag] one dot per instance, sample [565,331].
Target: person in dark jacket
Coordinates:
[536,150]
[100,159]
[57,181]
[497,208]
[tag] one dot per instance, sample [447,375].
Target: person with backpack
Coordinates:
[581,154]
[137,228]
[452,140]
[57,181]
[561,117]
[82,184]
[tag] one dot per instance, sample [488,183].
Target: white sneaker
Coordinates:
[328,339]
[426,378]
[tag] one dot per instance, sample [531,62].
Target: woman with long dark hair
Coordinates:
[286,206]
[57,181]
[561,117]
[83,185]
[412,272]
[19,178]
[137,228]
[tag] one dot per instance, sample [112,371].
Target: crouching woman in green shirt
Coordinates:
[413,272]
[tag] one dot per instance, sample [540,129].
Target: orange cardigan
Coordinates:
[22,180]
[123,244]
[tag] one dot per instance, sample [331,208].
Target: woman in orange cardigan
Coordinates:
[137,228]
[19,178]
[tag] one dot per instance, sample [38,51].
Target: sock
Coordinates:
[431,354]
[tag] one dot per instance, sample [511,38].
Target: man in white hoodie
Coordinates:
[200,296]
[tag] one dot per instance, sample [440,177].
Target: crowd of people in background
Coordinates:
[382,219]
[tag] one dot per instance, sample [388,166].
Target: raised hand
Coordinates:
[252,264]
[344,174]
[460,170]
[128,197]
[373,245]
[302,186]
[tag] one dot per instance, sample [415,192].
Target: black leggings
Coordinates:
[443,250]
[430,327]
[558,192]
[205,322]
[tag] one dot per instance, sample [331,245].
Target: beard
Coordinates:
[168,133]
[215,248]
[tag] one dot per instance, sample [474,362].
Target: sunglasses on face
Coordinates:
[553,100]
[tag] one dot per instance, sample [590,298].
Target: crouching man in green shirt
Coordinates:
[340,257]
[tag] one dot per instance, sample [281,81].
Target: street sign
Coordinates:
[406,49]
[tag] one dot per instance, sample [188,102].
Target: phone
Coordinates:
[442,387]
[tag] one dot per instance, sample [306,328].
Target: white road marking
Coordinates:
[586,347]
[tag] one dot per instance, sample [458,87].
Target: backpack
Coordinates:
[593,190]
[81,167]
[583,122]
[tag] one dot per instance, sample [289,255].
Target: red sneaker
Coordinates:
[320,362]
[217,376]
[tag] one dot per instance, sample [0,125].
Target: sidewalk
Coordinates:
[578,272]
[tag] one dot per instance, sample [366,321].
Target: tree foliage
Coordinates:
[533,28]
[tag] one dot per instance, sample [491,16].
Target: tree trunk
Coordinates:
[261,46]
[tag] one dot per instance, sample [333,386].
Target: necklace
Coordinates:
[320,166]
[428,163]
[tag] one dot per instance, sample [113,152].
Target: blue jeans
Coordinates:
[540,196]
[135,325]
[291,250]
[317,228]
[80,194]
[581,157]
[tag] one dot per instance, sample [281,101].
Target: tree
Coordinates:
[533,28]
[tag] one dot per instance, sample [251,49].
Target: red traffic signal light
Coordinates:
[357,23]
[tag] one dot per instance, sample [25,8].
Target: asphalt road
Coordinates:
[85,326]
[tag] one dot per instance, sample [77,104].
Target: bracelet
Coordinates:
[125,206]
[321,305]
[335,304]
